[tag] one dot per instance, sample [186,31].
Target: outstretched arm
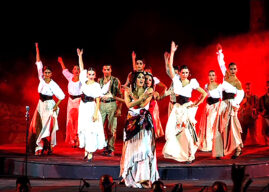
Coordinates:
[80,60]
[166,60]
[171,60]
[37,52]
[134,60]
[201,99]
[39,63]
[220,58]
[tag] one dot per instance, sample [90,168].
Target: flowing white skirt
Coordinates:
[181,139]
[227,131]
[206,123]
[72,120]
[91,134]
[44,123]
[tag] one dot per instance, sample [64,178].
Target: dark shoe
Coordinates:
[218,158]
[189,162]
[121,182]
[237,154]
[110,153]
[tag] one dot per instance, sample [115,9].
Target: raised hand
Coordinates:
[166,57]
[218,47]
[133,55]
[60,60]
[37,52]
[79,52]
[173,47]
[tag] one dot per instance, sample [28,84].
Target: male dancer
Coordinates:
[109,109]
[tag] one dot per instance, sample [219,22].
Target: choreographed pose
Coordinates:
[43,127]
[90,126]
[227,129]
[138,161]
[74,91]
[214,93]
[181,139]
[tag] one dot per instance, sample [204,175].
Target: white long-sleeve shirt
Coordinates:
[229,88]
[187,89]
[220,58]
[51,88]
[214,93]
[74,88]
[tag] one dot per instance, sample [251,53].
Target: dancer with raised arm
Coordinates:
[170,91]
[44,124]
[138,162]
[214,93]
[227,128]
[90,126]
[74,90]
[181,139]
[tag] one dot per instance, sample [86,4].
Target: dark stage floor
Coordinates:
[66,165]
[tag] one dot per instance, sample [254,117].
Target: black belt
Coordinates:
[226,95]
[108,101]
[86,98]
[44,97]
[74,96]
[173,102]
[182,99]
[211,100]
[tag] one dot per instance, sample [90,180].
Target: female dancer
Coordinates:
[90,126]
[214,92]
[74,90]
[181,139]
[44,123]
[138,162]
[153,107]
[227,136]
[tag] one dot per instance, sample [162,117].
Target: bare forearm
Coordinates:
[81,64]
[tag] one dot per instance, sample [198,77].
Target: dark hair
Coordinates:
[91,69]
[140,58]
[46,67]
[219,186]
[183,67]
[231,64]
[107,65]
[148,67]
[248,83]
[176,67]
[211,71]
[134,76]
[149,74]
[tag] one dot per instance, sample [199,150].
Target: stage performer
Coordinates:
[110,109]
[214,93]
[248,114]
[264,112]
[74,90]
[181,139]
[170,91]
[90,126]
[227,129]
[138,162]
[44,124]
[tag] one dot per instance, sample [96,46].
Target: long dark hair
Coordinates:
[149,74]
[133,79]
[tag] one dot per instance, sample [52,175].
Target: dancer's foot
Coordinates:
[236,154]
[38,152]
[146,184]
[121,182]
[218,158]
[189,162]
[90,157]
